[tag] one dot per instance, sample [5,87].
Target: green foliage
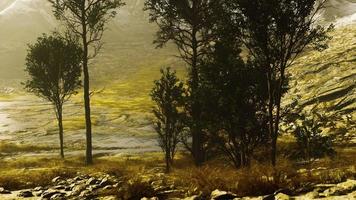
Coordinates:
[86,19]
[54,67]
[53,64]
[168,96]
[310,139]
[275,33]
[234,100]
[93,15]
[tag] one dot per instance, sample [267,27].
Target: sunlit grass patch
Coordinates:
[10,148]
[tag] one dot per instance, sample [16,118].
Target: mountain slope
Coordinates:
[328,78]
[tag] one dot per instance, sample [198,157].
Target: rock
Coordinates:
[352,195]
[58,196]
[77,178]
[281,196]
[222,195]
[312,195]
[59,187]
[91,181]
[85,194]
[3,191]
[76,190]
[341,188]
[334,191]
[348,185]
[108,187]
[195,197]
[104,182]
[38,189]
[93,187]
[49,193]
[108,198]
[284,191]
[268,197]
[25,194]
[152,198]
[56,179]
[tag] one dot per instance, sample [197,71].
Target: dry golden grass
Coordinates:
[139,171]
[7,148]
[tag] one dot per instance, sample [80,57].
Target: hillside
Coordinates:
[123,74]
[328,78]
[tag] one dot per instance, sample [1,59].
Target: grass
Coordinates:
[9,148]
[140,172]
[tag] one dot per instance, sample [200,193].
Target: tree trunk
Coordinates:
[60,128]
[168,161]
[197,136]
[88,155]
[270,119]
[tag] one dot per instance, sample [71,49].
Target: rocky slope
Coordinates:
[107,187]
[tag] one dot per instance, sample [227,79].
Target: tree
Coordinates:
[87,19]
[235,101]
[186,23]
[276,32]
[168,96]
[54,67]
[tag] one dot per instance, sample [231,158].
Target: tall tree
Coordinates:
[276,32]
[186,23]
[87,19]
[54,67]
[168,97]
[235,97]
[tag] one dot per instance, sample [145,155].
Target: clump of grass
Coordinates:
[136,188]
[8,148]
[21,179]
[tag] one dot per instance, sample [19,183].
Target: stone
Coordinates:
[104,182]
[195,197]
[312,195]
[56,179]
[85,194]
[58,196]
[348,185]
[334,191]
[108,198]
[38,188]
[281,196]
[108,187]
[93,187]
[91,181]
[222,195]
[76,190]
[59,187]
[77,178]
[3,191]
[49,193]
[25,194]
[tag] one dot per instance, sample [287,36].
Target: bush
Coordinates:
[312,143]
